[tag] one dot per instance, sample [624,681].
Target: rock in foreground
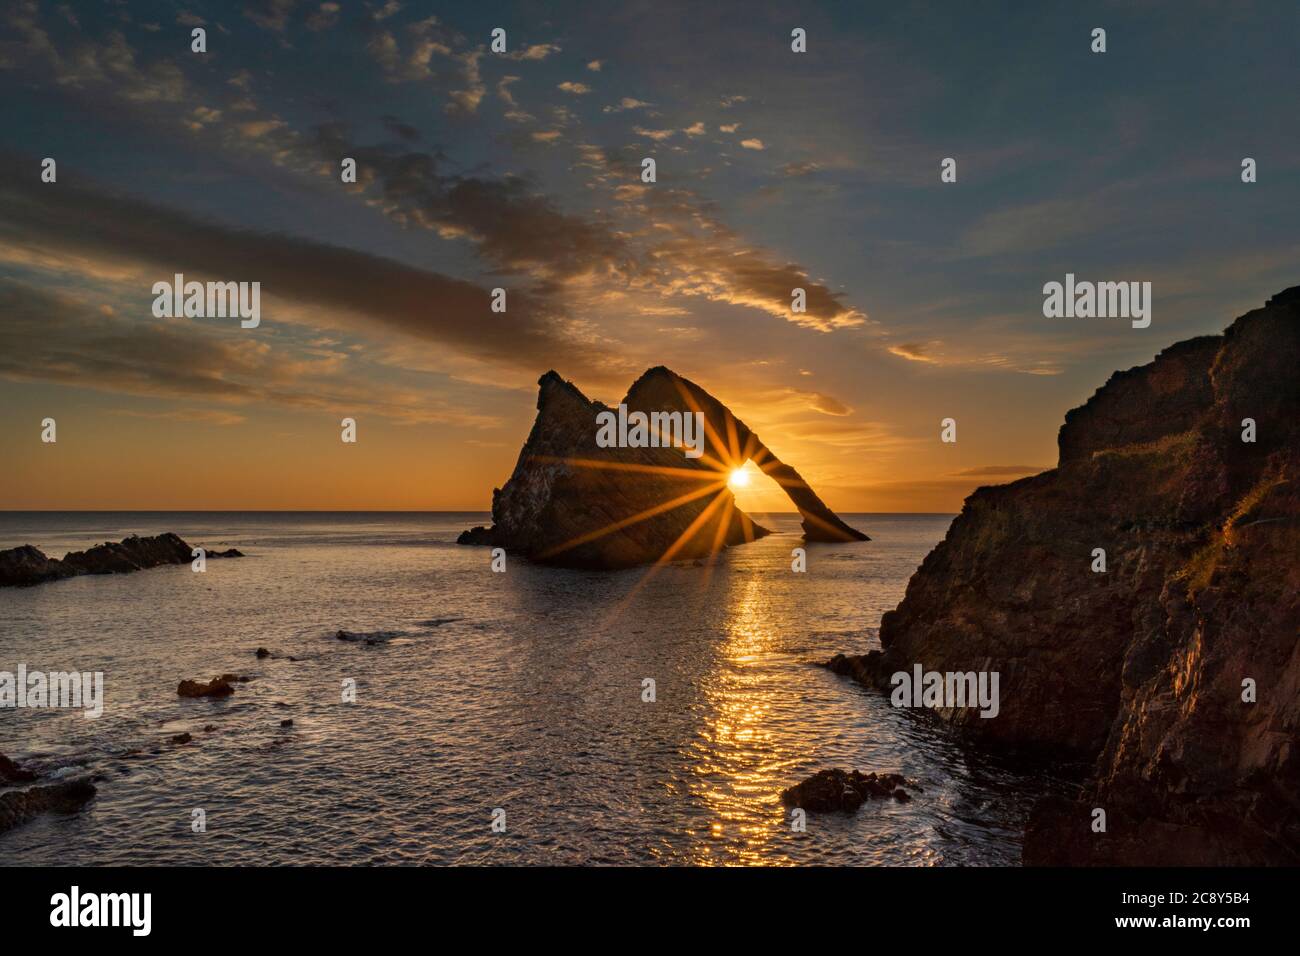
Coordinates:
[574,503]
[20,567]
[19,806]
[1176,668]
[828,791]
[10,772]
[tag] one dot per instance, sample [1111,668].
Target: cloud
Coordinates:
[682,248]
[795,170]
[1017,358]
[435,54]
[537,51]
[255,129]
[912,351]
[627,103]
[405,130]
[90,65]
[270,15]
[325,17]
[820,402]
[578,89]
[595,66]
[666,245]
[658,135]
[53,337]
[94,233]
[513,111]
[695,129]
[205,416]
[509,224]
[753,143]
[467,100]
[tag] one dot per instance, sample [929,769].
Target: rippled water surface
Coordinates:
[520,690]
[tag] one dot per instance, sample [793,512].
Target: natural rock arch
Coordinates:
[571,502]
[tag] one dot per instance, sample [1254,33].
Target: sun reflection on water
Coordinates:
[743,757]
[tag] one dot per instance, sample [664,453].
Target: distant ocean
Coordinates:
[520,691]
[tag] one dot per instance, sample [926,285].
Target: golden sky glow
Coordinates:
[524,172]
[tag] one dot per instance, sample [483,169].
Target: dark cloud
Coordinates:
[60,338]
[74,221]
[512,226]
[270,15]
[405,130]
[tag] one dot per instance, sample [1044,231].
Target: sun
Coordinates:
[739,478]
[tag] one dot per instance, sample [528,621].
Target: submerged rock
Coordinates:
[19,806]
[10,772]
[833,790]
[27,565]
[217,687]
[367,637]
[1175,669]
[573,503]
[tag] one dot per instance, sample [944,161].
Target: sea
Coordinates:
[534,715]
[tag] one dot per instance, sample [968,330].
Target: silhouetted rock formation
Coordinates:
[1141,667]
[574,503]
[830,790]
[28,565]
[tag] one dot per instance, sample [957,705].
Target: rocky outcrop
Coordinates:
[574,503]
[1176,671]
[27,565]
[19,806]
[220,686]
[833,790]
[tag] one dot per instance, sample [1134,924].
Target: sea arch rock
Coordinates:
[572,503]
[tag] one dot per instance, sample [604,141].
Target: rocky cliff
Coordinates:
[573,503]
[1146,669]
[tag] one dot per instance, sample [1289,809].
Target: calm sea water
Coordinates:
[519,691]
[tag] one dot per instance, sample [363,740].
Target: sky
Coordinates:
[523,170]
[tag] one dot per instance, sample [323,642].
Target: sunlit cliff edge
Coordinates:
[1141,669]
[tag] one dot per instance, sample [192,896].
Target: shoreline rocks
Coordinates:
[1173,672]
[220,686]
[19,806]
[837,790]
[26,566]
